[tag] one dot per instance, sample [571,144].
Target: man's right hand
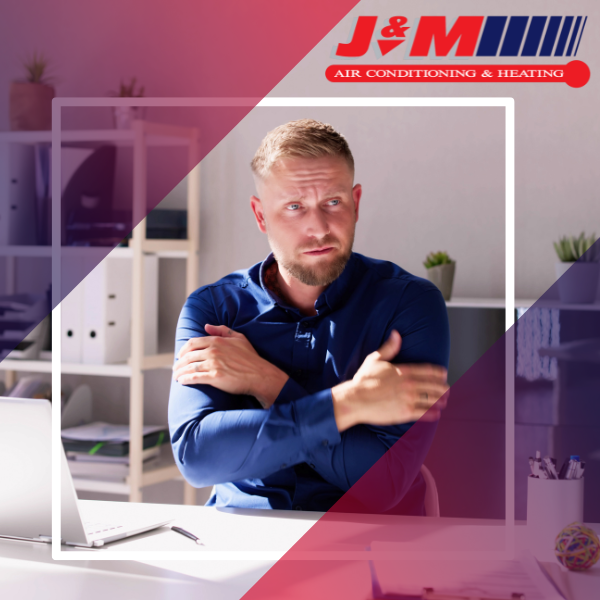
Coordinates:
[382,393]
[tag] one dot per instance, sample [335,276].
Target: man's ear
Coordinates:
[257,209]
[356,196]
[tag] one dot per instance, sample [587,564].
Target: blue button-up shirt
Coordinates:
[292,455]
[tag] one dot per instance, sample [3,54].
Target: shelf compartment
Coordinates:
[163,470]
[165,248]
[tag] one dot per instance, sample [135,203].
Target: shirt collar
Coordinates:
[335,294]
[261,275]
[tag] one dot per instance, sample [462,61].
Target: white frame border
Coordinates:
[506,103]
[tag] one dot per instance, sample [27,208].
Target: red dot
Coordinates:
[577,74]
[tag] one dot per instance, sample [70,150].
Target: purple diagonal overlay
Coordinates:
[226,49]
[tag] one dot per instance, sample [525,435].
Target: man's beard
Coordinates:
[319,275]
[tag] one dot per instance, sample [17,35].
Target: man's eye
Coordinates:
[293,206]
[334,202]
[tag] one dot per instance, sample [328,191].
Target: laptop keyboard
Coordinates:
[95,528]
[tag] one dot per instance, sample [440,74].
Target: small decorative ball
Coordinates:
[577,547]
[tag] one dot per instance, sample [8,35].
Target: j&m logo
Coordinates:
[521,39]
[466,37]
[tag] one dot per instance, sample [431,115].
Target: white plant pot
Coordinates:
[443,277]
[124,116]
[580,284]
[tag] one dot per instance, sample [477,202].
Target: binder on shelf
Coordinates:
[96,315]
[74,270]
[107,312]
[17,197]
[72,326]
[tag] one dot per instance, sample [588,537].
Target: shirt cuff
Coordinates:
[292,390]
[316,420]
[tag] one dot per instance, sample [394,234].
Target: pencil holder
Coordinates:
[552,504]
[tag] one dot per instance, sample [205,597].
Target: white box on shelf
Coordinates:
[107,310]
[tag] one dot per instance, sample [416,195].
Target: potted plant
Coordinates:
[30,99]
[125,115]
[578,270]
[440,271]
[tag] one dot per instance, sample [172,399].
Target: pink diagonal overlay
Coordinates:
[466,455]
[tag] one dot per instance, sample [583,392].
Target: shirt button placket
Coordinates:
[301,351]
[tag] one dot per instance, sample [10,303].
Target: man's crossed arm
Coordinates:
[380,393]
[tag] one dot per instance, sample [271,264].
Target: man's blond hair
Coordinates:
[305,138]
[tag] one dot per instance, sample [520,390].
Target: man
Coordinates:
[285,392]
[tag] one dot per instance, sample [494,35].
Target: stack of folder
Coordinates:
[101,450]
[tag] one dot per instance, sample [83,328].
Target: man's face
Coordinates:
[308,208]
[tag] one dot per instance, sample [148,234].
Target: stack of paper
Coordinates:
[101,451]
[105,439]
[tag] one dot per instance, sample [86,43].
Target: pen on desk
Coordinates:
[187,534]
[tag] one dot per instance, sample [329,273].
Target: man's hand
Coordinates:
[226,360]
[382,393]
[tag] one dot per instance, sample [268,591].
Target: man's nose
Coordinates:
[317,225]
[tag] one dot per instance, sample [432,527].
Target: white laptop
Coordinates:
[25,489]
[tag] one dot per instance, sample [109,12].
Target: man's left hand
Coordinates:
[226,360]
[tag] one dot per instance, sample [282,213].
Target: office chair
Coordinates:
[432,501]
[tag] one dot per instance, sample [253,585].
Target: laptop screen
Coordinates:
[25,468]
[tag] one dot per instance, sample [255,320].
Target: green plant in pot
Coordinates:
[30,99]
[440,271]
[125,115]
[577,256]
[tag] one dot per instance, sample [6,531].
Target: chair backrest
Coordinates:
[432,501]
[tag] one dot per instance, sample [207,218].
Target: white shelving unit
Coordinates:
[140,137]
